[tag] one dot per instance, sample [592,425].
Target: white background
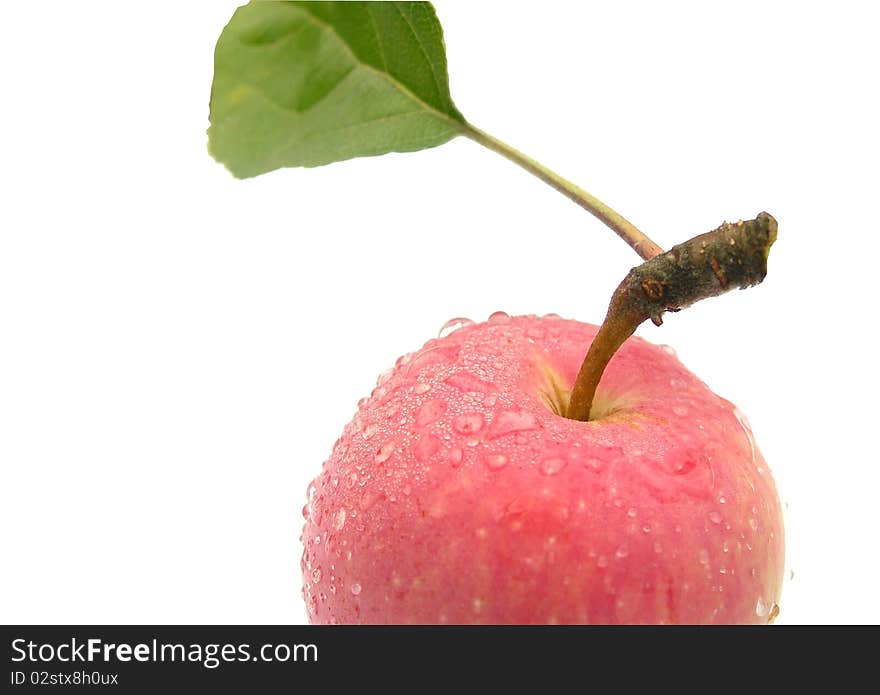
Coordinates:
[179,350]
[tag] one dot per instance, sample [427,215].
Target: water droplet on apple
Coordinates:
[593,463]
[468,423]
[316,575]
[669,350]
[339,519]
[761,608]
[368,499]
[430,411]
[453,325]
[495,461]
[715,517]
[490,400]
[469,383]
[552,466]
[385,451]
[421,387]
[355,589]
[453,456]
[646,528]
[677,383]
[683,466]
[632,512]
[679,410]
[704,556]
[722,570]
[747,429]
[340,448]
[622,552]
[312,603]
[509,421]
[425,447]
[499,317]
[369,430]
[725,547]
[753,523]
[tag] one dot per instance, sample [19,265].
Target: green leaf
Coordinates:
[309,83]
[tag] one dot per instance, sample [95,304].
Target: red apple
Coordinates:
[458,494]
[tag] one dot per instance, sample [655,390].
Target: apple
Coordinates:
[459,494]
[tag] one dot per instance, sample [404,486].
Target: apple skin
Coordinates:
[457,494]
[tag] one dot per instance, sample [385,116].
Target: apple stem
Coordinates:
[732,256]
[625,229]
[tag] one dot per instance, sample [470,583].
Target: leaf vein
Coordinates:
[350,126]
[387,76]
[378,38]
[421,48]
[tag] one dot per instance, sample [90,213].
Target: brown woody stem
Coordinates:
[732,256]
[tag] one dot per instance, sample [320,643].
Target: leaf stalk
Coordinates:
[625,229]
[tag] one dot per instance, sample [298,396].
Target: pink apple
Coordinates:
[457,494]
